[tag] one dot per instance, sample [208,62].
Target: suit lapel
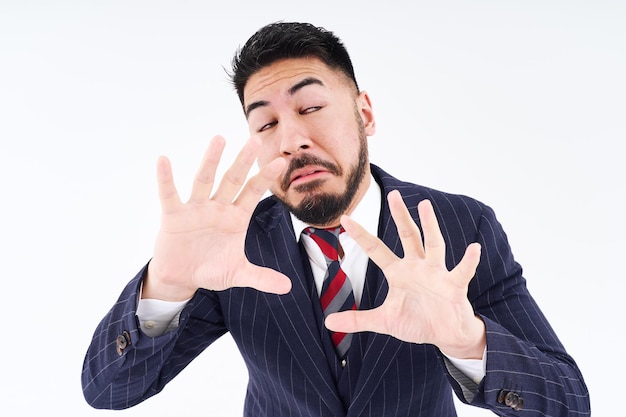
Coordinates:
[381,350]
[293,312]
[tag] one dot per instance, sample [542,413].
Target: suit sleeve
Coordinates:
[123,366]
[528,371]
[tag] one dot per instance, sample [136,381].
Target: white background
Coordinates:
[520,104]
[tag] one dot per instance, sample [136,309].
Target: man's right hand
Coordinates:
[200,243]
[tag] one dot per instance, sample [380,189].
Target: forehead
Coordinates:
[280,76]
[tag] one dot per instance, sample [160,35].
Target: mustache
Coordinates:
[302,162]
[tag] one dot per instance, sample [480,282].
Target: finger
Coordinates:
[257,185]
[466,269]
[168,195]
[353,321]
[236,175]
[263,279]
[205,177]
[408,231]
[371,245]
[434,245]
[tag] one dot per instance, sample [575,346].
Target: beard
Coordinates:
[325,208]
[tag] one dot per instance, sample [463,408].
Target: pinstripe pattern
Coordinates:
[281,337]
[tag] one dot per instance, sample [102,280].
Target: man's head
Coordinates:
[301,99]
[281,40]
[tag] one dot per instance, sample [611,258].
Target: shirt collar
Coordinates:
[365,213]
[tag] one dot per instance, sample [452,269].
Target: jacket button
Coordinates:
[510,399]
[501,396]
[122,342]
[514,401]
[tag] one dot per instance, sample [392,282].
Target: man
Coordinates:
[441,303]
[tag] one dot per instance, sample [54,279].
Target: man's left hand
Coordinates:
[426,303]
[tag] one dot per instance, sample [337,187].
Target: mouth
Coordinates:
[306,177]
[306,171]
[306,174]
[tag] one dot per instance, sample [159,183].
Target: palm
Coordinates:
[198,246]
[425,307]
[201,242]
[426,303]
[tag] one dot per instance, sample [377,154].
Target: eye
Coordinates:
[310,109]
[267,126]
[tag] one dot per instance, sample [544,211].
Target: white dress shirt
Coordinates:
[157,316]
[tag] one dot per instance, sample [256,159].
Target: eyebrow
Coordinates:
[292,90]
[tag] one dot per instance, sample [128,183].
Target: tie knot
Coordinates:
[327,240]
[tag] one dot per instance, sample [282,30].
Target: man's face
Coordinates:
[312,116]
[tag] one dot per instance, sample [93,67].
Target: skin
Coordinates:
[302,108]
[299,107]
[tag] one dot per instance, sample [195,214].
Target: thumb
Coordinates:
[354,321]
[466,269]
[264,279]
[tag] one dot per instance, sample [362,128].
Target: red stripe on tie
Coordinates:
[333,289]
[337,337]
[326,247]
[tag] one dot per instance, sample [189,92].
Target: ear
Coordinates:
[367,113]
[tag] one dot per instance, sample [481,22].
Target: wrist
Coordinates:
[473,344]
[156,286]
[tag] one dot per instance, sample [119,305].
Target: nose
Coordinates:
[293,138]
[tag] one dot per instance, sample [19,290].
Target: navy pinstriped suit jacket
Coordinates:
[292,367]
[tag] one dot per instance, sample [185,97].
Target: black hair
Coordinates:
[283,40]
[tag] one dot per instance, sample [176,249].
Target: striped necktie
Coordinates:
[336,294]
